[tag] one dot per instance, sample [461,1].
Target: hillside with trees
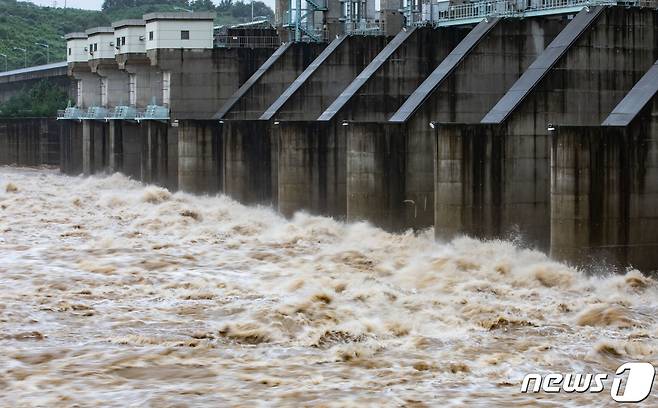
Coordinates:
[32,35]
[23,25]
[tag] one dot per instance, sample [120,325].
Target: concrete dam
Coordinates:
[539,123]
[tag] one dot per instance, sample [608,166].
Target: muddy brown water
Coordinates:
[114,293]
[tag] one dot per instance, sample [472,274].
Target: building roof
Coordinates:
[180,16]
[128,23]
[75,36]
[99,30]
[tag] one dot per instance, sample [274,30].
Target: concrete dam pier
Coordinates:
[536,123]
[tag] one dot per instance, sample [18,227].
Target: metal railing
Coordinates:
[365,28]
[152,112]
[97,113]
[471,12]
[123,113]
[474,10]
[301,21]
[71,113]
[247,41]
[93,113]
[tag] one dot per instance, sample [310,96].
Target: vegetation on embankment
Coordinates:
[42,100]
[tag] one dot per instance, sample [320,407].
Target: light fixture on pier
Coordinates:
[550,128]
[345,123]
[433,125]
[276,123]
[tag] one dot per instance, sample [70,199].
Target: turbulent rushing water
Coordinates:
[117,293]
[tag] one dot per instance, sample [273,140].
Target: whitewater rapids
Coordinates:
[114,293]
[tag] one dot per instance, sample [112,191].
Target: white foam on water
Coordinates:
[116,293]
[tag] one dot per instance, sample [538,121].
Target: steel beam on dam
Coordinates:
[494,180]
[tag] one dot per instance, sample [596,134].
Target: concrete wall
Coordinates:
[311,168]
[95,147]
[148,79]
[329,80]
[313,157]
[29,142]
[376,163]
[406,158]
[116,81]
[199,157]
[273,82]
[604,196]
[468,93]
[401,74]
[70,141]
[469,189]
[87,85]
[146,151]
[249,155]
[581,89]
[248,159]
[202,80]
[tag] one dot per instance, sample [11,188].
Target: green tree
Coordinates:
[225,5]
[42,100]
[242,10]
[202,5]
[122,4]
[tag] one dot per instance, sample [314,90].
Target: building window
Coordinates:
[95,47]
[69,51]
[185,35]
[123,40]
[150,35]
[118,42]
